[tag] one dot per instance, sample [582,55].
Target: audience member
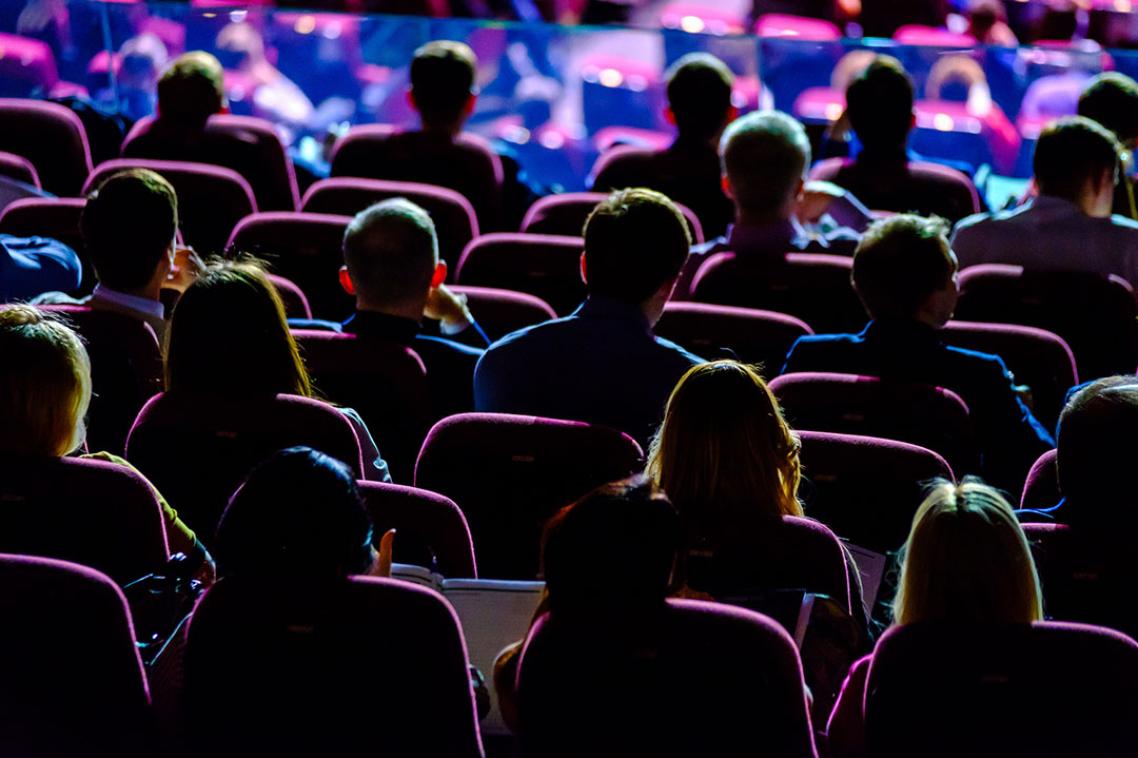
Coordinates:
[602,364]
[30,266]
[45,391]
[272,94]
[699,105]
[443,92]
[392,267]
[905,274]
[886,175]
[1111,99]
[988,23]
[1068,226]
[229,335]
[966,561]
[129,226]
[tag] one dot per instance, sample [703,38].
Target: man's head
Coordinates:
[903,268]
[699,96]
[442,83]
[636,242]
[191,90]
[1111,99]
[879,102]
[764,157]
[128,226]
[1078,160]
[391,257]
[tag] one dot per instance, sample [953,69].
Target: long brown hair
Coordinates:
[229,334]
[724,453]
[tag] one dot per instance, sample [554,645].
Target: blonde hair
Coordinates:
[724,453]
[967,560]
[45,383]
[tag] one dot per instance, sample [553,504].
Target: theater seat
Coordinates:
[1041,490]
[51,137]
[19,168]
[430,529]
[501,311]
[565,215]
[752,336]
[546,266]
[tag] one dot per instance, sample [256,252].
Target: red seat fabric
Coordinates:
[546,266]
[1041,490]
[211,199]
[752,336]
[19,168]
[306,248]
[430,529]
[565,215]
[51,137]
[73,681]
[510,473]
[501,311]
[452,213]
[222,436]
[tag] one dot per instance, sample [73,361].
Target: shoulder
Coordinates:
[1123,224]
[984,365]
[315,324]
[681,354]
[442,344]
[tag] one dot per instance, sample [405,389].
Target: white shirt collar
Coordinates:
[141,305]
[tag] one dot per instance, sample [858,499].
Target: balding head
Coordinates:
[391,253]
[764,158]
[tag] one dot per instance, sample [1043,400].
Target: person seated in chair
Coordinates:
[30,266]
[905,274]
[1111,99]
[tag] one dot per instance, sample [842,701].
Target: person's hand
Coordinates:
[187,267]
[448,307]
[816,200]
[386,550]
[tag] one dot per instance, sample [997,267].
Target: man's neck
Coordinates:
[409,312]
[744,217]
[442,130]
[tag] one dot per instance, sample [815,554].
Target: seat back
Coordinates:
[27,68]
[509,474]
[57,218]
[431,530]
[211,199]
[931,417]
[752,336]
[501,311]
[545,266]
[224,436]
[452,213]
[126,371]
[91,512]
[866,489]
[727,681]
[19,168]
[73,681]
[1025,690]
[1041,490]
[813,287]
[306,248]
[565,215]
[1097,316]
[293,672]
[292,297]
[48,135]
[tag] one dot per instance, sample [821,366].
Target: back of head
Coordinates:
[1070,153]
[967,561]
[900,262]
[298,514]
[191,90]
[129,225]
[699,94]
[1111,99]
[765,156]
[879,102]
[228,335]
[612,550]
[45,384]
[442,80]
[391,251]
[724,453]
[636,241]
[1097,445]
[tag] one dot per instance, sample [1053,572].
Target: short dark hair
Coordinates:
[1111,99]
[442,79]
[879,102]
[699,94]
[1097,444]
[636,240]
[899,262]
[192,89]
[297,514]
[764,155]
[1071,151]
[391,251]
[128,225]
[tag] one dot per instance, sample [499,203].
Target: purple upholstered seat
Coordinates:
[501,311]
[295,301]
[19,168]
[51,137]
[211,199]
[27,68]
[694,678]
[1041,490]
[73,681]
[543,265]
[510,473]
[431,529]
[753,336]
[921,187]
[565,215]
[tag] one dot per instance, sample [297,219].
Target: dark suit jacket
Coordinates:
[1010,437]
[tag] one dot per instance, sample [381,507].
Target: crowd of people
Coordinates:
[719,500]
